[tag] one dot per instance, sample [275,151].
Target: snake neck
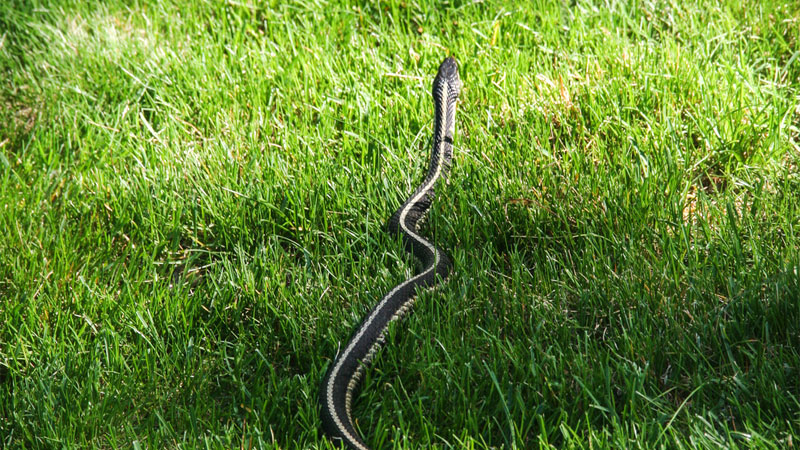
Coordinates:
[408,216]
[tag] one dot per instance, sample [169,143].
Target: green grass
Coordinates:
[192,201]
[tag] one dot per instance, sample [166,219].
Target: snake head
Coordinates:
[448,73]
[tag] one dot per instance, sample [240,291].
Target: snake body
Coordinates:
[340,382]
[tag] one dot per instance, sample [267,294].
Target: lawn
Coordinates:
[193,198]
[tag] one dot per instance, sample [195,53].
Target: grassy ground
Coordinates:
[192,199]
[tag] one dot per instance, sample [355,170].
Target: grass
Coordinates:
[192,198]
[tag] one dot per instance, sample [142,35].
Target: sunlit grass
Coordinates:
[192,202]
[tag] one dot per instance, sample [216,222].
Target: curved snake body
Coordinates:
[339,384]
